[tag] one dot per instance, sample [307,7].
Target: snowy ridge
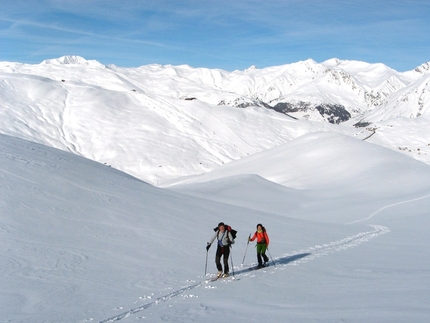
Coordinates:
[134,119]
[72,60]
[411,101]
[423,68]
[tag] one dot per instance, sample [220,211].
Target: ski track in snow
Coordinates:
[296,258]
[389,206]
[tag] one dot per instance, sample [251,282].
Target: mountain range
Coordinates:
[135,119]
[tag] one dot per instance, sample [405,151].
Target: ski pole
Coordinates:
[246,249]
[271,257]
[206,265]
[232,266]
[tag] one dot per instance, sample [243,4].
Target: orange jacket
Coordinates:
[261,236]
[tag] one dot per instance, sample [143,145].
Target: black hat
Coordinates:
[221,224]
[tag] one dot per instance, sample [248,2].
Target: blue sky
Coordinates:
[225,34]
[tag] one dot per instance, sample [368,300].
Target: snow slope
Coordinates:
[83,242]
[321,162]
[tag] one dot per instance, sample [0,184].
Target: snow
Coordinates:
[109,195]
[83,242]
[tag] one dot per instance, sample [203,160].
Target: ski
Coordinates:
[215,278]
[212,279]
[257,268]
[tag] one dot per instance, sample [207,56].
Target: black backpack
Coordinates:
[229,229]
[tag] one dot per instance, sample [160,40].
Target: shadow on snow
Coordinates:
[282,261]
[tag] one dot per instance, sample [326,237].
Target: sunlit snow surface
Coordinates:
[346,208]
[82,242]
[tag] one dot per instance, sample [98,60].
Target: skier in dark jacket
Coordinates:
[262,245]
[225,239]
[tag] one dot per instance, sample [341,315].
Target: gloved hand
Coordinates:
[208,246]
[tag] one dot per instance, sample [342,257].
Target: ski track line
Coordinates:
[388,206]
[296,258]
[326,249]
[154,302]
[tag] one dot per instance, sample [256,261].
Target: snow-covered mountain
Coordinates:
[346,207]
[334,90]
[135,119]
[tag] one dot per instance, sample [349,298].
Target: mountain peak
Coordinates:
[423,68]
[251,68]
[332,62]
[71,60]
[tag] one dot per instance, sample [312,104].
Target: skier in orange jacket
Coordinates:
[262,245]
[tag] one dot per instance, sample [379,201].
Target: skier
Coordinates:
[225,239]
[262,245]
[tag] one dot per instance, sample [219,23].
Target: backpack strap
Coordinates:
[227,230]
[222,237]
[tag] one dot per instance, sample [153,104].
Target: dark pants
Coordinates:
[261,253]
[225,252]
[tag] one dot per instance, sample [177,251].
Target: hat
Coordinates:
[221,224]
